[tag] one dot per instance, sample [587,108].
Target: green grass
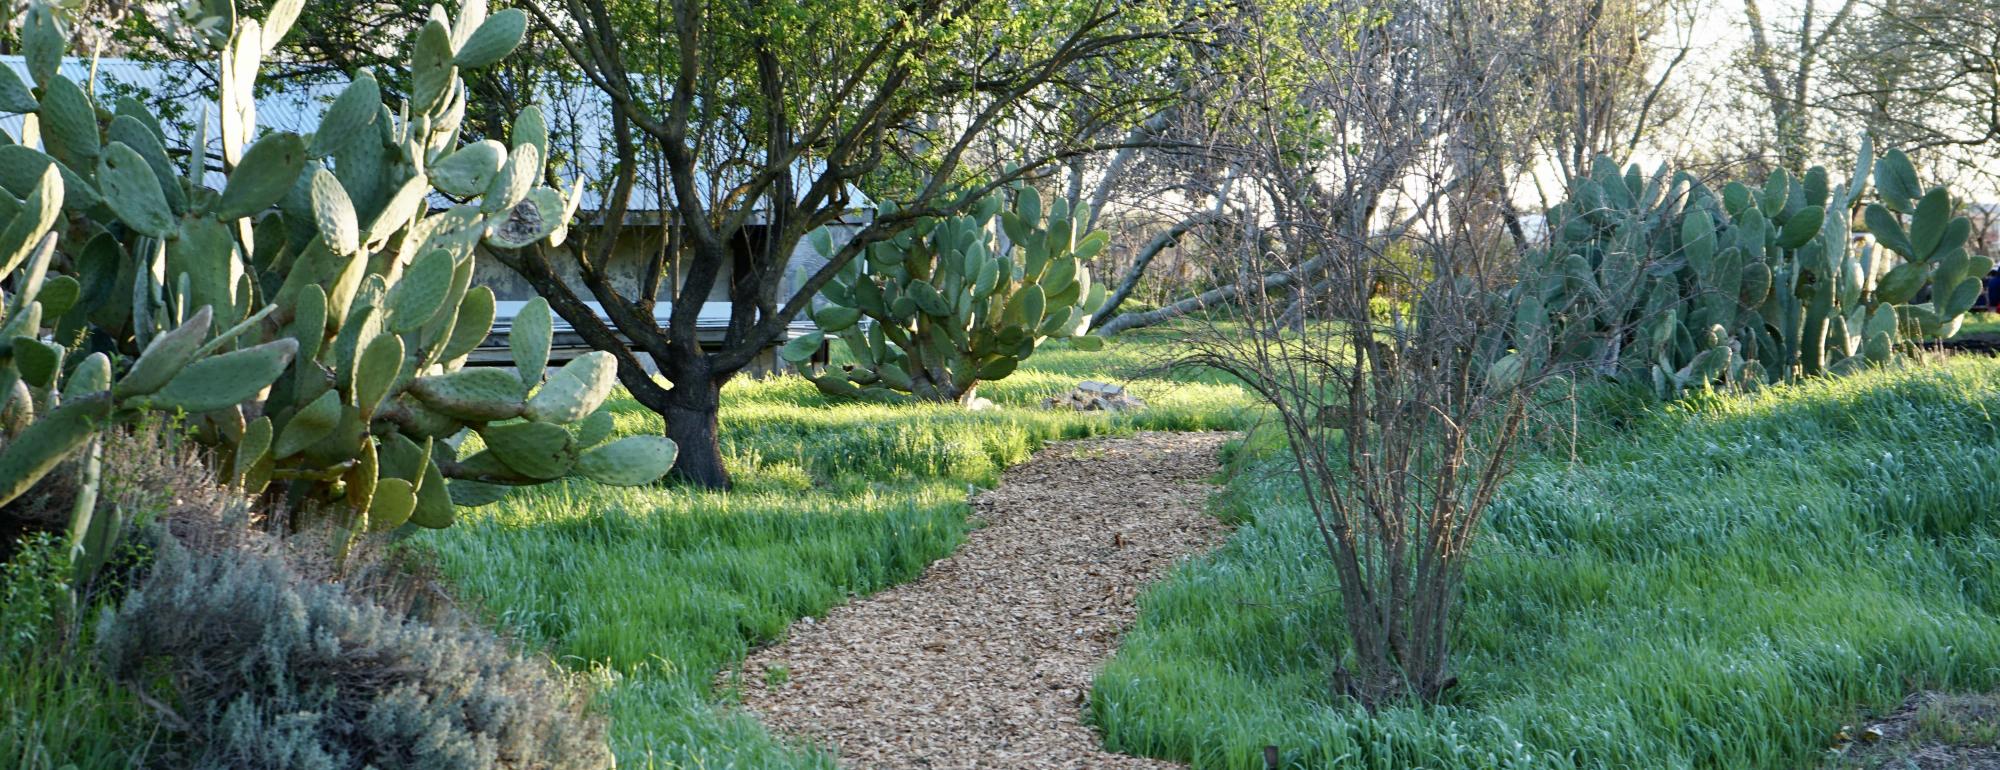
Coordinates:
[1721,584]
[57,708]
[657,589]
[1979,323]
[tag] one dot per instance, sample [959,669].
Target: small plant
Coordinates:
[252,668]
[948,307]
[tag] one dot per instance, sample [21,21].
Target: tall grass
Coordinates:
[1721,584]
[58,709]
[658,589]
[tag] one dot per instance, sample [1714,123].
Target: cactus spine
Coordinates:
[947,307]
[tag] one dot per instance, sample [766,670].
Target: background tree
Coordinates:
[763,114]
[1782,62]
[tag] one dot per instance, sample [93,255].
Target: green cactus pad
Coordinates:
[308,426]
[475,321]
[511,185]
[226,380]
[536,450]
[418,297]
[164,357]
[38,361]
[14,94]
[629,461]
[469,170]
[529,339]
[434,504]
[472,494]
[69,124]
[495,38]
[270,169]
[431,71]
[478,394]
[375,373]
[391,505]
[576,390]
[43,445]
[352,115]
[92,375]
[133,192]
[21,170]
[333,211]
[593,430]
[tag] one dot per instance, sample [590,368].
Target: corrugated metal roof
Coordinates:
[579,121]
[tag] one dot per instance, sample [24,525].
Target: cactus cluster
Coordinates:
[1662,281]
[348,302]
[947,307]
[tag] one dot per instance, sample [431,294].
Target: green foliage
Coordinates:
[331,316]
[269,673]
[947,307]
[1723,582]
[1663,282]
[57,707]
[832,497]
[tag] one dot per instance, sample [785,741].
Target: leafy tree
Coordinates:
[764,116]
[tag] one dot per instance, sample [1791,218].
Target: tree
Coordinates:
[1921,75]
[1402,424]
[766,113]
[1783,72]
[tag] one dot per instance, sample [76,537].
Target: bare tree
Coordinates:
[1401,415]
[1783,64]
[767,114]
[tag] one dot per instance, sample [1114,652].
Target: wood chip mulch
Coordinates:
[986,661]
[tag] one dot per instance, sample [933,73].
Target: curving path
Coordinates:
[986,660]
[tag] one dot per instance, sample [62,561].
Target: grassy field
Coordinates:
[1979,323]
[1721,584]
[655,590]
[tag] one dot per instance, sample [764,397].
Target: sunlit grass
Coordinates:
[1721,585]
[657,589]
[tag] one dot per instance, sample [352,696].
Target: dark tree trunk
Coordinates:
[692,410]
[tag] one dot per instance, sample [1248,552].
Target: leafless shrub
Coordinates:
[1373,311]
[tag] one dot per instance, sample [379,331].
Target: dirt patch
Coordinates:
[1930,731]
[986,661]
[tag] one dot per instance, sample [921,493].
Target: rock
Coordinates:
[1094,396]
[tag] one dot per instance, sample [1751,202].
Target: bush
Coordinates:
[256,668]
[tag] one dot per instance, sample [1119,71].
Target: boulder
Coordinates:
[1094,396]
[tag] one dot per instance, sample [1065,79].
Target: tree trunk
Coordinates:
[692,411]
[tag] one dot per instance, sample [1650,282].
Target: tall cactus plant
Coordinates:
[326,245]
[947,307]
[1662,281]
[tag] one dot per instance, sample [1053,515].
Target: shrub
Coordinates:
[256,669]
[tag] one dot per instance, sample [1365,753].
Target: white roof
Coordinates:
[714,315]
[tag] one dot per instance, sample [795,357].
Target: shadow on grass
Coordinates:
[654,590]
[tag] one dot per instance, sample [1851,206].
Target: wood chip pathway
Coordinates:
[986,660]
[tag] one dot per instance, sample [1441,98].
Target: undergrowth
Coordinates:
[656,590]
[1720,583]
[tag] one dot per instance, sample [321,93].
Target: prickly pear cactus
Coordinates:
[946,307]
[53,408]
[328,246]
[1661,281]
